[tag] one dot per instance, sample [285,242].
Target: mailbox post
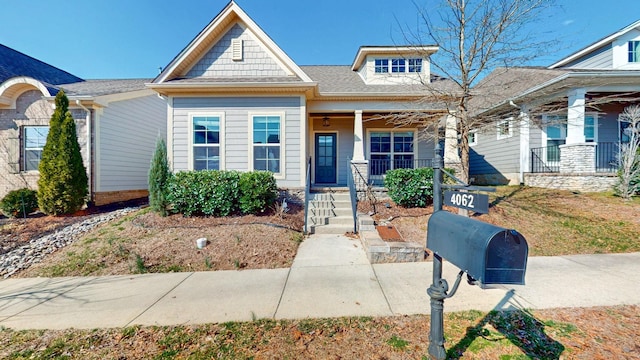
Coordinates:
[488,254]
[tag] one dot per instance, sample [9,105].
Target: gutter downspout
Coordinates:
[89,146]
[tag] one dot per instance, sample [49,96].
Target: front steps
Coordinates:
[329,213]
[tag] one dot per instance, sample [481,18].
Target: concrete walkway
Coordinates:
[330,277]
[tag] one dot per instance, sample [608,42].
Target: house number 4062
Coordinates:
[462,200]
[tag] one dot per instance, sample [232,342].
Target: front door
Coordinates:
[325,158]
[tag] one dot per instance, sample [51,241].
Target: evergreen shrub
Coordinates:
[159,175]
[19,202]
[63,182]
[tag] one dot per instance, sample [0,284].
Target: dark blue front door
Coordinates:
[325,158]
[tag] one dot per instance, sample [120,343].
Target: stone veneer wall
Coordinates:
[578,158]
[593,182]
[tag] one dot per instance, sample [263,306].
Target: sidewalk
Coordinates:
[330,277]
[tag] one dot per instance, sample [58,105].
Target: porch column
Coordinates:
[575,116]
[451,156]
[358,137]
[360,168]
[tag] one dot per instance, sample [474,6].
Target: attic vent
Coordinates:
[236,45]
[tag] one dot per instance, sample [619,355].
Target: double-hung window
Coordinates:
[390,150]
[206,142]
[34,139]
[267,142]
[634,51]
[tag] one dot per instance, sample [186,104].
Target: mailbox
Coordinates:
[487,253]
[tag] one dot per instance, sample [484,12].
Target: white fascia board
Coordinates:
[595,45]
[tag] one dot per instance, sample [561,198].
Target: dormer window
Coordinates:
[634,51]
[382,66]
[397,65]
[415,65]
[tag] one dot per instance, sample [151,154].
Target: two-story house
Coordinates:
[560,125]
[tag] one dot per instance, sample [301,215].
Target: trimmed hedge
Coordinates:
[410,187]
[221,192]
[12,204]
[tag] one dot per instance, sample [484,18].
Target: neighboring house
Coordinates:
[559,126]
[118,122]
[236,101]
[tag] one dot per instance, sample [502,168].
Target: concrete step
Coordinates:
[333,220]
[330,212]
[329,204]
[330,196]
[330,229]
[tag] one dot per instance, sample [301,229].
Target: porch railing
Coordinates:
[547,159]
[379,167]
[353,193]
[607,154]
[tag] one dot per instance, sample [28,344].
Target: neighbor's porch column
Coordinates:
[358,137]
[577,156]
[451,155]
[575,116]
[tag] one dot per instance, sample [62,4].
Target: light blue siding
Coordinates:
[236,136]
[493,156]
[218,61]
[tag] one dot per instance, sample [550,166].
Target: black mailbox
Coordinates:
[488,253]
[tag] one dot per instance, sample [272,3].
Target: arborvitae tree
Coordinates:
[63,183]
[159,174]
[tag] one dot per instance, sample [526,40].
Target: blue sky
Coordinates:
[132,38]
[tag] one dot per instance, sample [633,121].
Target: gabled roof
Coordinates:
[229,16]
[604,41]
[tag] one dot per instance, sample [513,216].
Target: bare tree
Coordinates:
[474,37]
[629,158]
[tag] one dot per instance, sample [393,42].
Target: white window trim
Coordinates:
[282,174]
[382,72]
[545,121]
[475,137]
[509,122]
[221,137]
[392,130]
[23,148]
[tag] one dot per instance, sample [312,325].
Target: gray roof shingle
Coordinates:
[340,79]
[104,87]
[14,63]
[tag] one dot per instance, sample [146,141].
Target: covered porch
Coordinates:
[339,140]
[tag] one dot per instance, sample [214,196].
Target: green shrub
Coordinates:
[410,187]
[19,202]
[63,183]
[159,175]
[258,191]
[207,192]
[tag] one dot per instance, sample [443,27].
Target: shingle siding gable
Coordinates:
[218,61]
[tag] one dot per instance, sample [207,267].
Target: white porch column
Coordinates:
[451,156]
[575,116]
[358,137]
